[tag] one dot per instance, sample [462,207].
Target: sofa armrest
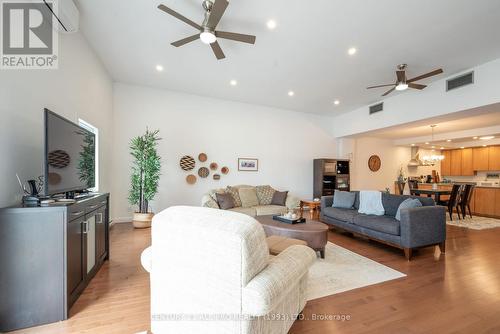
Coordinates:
[146,259]
[326,201]
[292,202]
[268,287]
[423,226]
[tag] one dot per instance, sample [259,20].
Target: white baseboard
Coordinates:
[120,220]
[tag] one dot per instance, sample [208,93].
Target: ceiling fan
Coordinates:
[402,83]
[214,9]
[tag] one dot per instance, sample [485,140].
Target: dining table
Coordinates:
[436,193]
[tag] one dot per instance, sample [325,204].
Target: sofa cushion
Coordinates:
[279,198]
[343,199]
[248,197]
[384,224]
[407,204]
[225,201]
[265,194]
[247,211]
[263,210]
[345,215]
[236,196]
[391,202]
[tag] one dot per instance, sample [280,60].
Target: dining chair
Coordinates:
[453,201]
[465,199]
[413,184]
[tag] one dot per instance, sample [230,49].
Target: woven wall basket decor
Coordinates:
[187,163]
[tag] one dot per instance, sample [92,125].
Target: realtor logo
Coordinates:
[28,38]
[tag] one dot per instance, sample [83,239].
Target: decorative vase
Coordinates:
[142,220]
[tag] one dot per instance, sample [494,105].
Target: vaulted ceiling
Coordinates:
[305,53]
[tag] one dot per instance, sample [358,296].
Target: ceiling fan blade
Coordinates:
[236,37]
[217,50]
[416,86]
[401,76]
[179,16]
[380,86]
[423,76]
[389,91]
[218,9]
[186,40]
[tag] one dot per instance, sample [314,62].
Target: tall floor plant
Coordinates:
[145,175]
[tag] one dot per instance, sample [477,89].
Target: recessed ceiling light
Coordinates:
[159,68]
[336,102]
[291,93]
[233,82]
[474,137]
[271,24]
[352,51]
[486,137]
[448,140]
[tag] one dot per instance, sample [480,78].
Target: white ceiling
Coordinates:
[306,53]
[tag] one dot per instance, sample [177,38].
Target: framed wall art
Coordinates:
[248,164]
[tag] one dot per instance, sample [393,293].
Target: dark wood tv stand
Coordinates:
[48,255]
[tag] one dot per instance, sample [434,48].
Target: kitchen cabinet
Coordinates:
[480,158]
[446,163]
[494,158]
[484,201]
[467,168]
[456,163]
[497,202]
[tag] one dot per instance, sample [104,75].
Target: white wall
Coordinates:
[285,143]
[80,88]
[392,158]
[433,101]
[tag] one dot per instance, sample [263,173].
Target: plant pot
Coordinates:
[142,220]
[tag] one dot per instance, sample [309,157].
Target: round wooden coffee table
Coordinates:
[313,232]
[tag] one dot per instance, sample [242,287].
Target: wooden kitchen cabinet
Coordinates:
[456,163]
[467,169]
[494,159]
[497,202]
[480,158]
[485,202]
[446,164]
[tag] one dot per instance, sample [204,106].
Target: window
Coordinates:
[94,130]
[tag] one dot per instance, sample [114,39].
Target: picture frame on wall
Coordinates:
[248,164]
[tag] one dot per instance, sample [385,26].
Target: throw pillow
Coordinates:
[265,194]
[248,197]
[343,199]
[211,203]
[407,204]
[236,196]
[225,201]
[279,198]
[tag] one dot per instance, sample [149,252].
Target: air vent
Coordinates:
[376,108]
[460,81]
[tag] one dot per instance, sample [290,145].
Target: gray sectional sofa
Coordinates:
[419,227]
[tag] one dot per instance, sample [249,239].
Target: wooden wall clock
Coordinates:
[374,163]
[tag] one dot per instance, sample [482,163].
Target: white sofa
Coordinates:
[208,264]
[292,202]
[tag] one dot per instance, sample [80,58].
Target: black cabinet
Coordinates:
[49,255]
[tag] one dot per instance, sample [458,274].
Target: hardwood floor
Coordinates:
[454,293]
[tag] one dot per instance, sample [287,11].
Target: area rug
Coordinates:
[342,270]
[474,223]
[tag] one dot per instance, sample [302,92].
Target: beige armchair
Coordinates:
[211,272]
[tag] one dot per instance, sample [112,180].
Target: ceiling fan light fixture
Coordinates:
[208,37]
[402,86]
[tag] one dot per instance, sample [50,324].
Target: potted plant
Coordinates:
[145,176]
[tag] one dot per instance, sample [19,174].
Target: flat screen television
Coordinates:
[69,156]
